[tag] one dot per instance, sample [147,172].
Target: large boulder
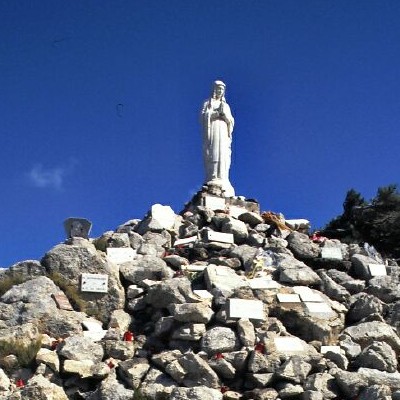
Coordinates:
[65,265]
[302,247]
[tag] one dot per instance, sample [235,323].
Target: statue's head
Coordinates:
[218,90]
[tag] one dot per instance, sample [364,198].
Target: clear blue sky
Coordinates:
[99,106]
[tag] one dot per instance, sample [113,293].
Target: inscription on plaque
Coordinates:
[288,298]
[287,344]
[334,253]
[215,203]
[94,283]
[120,255]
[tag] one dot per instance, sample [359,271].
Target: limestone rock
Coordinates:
[111,388]
[147,267]
[246,332]
[367,332]
[302,247]
[378,355]
[237,228]
[84,368]
[197,372]
[191,312]
[66,263]
[218,340]
[119,349]
[295,369]
[157,385]
[195,393]
[39,388]
[80,348]
[224,279]
[363,305]
[48,357]
[133,371]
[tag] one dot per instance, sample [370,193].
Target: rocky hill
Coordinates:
[219,302]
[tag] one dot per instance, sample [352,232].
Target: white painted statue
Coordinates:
[217,122]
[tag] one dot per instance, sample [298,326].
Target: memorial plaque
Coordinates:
[214,203]
[235,211]
[241,308]
[92,325]
[62,301]
[204,294]
[288,298]
[288,344]
[120,255]
[213,236]
[333,349]
[193,268]
[334,253]
[185,241]
[264,283]
[94,283]
[77,227]
[95,336]
[377,269]
[307,295]
[320,310]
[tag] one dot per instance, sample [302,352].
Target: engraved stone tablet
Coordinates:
[377,269]
[62,301]
[214,203]
[288,298]
[288,344]
[306,294]
[320,310]
[334,253]
[185,241]
[120,255]
[241,308]
[94,283]
[77,227]
[219,237]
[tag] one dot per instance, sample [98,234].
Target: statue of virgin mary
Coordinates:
[217,123]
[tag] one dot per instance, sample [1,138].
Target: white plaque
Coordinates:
[264,283]
[306,294]
[320,310]
[334,253]
[288,344]
[333,349]
[204,294]
[214,203]
[120,255]
[241,308]
[185,241]
[193,268]
[94,283]
[377,269]
[235,211]
[95,336]
[213,236]
[288,298]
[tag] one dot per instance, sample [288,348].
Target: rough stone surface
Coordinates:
[218,340]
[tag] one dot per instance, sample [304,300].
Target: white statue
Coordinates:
[217,123]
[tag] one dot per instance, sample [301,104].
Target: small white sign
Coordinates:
[213,236]
[214,203]
[94,283]
[264,283]
[320,310]
[204,294]
[193,268]
[235,211]
[251,309]
[334,253]
[333,349]
[377,269]
[120,255]
[185,241]
[288,344]
[306,294]
[288,298]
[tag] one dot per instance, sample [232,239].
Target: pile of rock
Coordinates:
[220,302]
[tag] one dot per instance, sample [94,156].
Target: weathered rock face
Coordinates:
[66,263]
[206,305]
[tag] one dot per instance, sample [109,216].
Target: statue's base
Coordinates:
[211,197]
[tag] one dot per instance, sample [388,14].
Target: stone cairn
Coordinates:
[219,302]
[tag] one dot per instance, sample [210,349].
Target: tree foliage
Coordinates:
[376,222]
